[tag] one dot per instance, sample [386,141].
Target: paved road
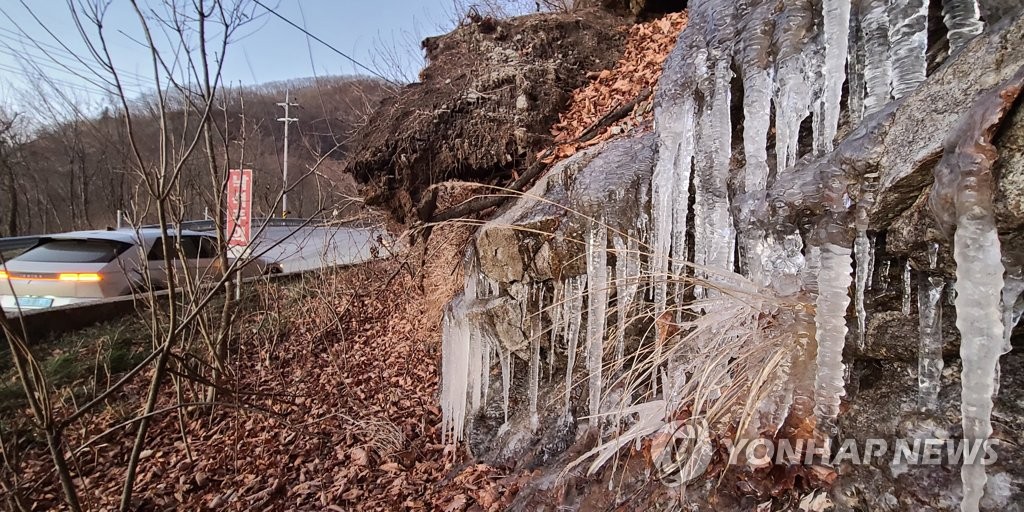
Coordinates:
[308,248]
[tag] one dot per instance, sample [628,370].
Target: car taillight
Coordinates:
[3,275]
[80,277]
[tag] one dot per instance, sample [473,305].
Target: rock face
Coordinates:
[486,100]
[532,244]
[879,178]
[540,236]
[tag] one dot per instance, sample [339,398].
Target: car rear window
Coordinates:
[74,251]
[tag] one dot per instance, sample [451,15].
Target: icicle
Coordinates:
[794,86]
[907,288]
[485,368]
[962,198]
[855,65]
[755,54]
[929,307]
[597,304]
[834,281]
[877,65]
[573,315]
[505,358]
[536,333]
[534,381]
[837,25]
[627,283]
[871,262]
[455,361]
[979,283]
[908,31]
[863,251]
[714,234]
[1013,287]
[671,185]
[963,20]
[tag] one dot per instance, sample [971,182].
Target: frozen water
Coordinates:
[597,304]
[627,283]
[963,20]
[929,306]
[907,288]
[908,33]
[837,25]
[877,64]
[864,251]
[834,281]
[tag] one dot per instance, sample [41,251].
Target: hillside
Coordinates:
[53,180]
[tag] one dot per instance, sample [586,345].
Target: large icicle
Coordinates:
[979,283]
[573,316]
[877,65]
[627,283]
[834,281]
[962,198]
[837,25]
[794,83]
[455,361]
[963,20]
[908,31]
[755,56]
[597,304]
[929,307]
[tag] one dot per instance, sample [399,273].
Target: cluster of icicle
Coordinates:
[793,58]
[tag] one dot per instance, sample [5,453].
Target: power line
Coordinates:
[335,50]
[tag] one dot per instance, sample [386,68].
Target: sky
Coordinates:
[266,49]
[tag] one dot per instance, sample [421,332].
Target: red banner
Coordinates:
[239,226]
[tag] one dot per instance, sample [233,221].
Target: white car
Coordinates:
[85,266]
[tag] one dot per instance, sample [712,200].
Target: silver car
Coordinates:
[85,266]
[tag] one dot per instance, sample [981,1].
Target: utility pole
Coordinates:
[284,175]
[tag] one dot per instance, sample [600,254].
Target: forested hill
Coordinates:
[75,174]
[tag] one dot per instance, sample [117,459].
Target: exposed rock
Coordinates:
[892,143]
[540,236]
[463,120]
[884,408]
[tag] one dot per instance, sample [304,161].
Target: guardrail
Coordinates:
[40,324]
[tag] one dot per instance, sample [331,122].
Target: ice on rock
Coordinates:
[908,287]
[963,20]
[962,201]
[794,78]
[877,65]
[597,304]
[1013,288]
[755,57]
[536,332]
[837,25]
[863,252]
[455,351]
[929,306]
[834,281]
[505,360]
[979,283]
[627,283]
[908,33]
[573,316]
[855,65]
